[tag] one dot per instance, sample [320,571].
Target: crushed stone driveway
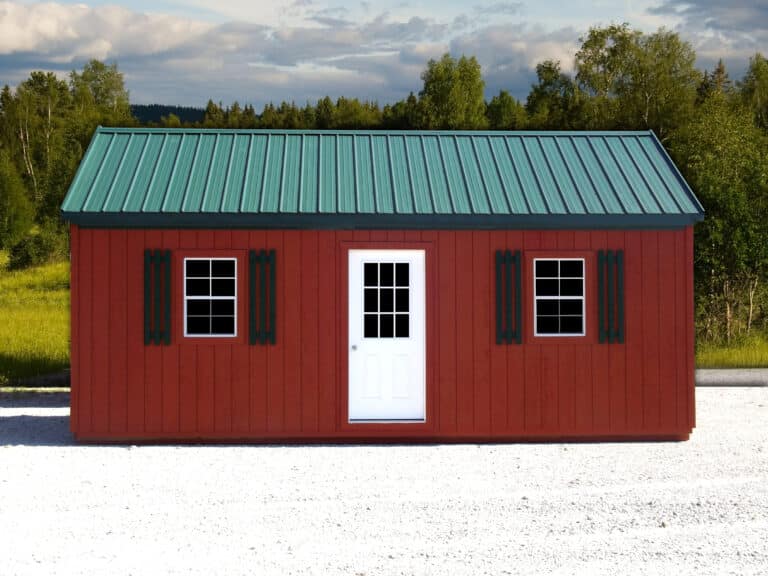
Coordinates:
[698,507]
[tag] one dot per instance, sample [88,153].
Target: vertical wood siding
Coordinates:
[198,389]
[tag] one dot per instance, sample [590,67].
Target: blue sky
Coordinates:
[184,52]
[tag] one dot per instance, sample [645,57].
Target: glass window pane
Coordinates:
[401,300]
[223,307]
[571,288]
[198,325]
[371,326]
[571,269]
[223,268]
[387,326]
[387,298]
[199,307]
[370,274]
[546,288]
[546,325]
[570,307]
[546,307]
[401,274]
[222,325]
[546,269]
[571,325]
[371,300]
[387,272]
[401,326]
[223,287]
[198,287]
[198,268]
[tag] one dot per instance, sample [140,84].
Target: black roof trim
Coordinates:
[382,221]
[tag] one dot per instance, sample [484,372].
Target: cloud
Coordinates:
[499,8]
[509,53]
[304,49]
[66,33]
[732,30]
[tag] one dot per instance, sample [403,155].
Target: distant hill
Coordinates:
[151,113]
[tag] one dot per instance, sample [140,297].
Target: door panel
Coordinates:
[387,311]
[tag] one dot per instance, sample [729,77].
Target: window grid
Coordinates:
[386,300]
[220,324]
[549,316]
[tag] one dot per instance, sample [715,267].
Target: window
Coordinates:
[559,296]
[210,297]
[386,297]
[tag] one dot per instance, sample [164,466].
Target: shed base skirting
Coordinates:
[300,439]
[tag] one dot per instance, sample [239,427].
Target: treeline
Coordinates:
[157,113]
[715,128]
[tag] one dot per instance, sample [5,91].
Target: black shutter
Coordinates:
[261,297]
[508,324]
[610,296]
[157,297]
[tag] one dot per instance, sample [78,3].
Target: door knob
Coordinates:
[354,347]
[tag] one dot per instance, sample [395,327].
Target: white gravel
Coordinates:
[698,507]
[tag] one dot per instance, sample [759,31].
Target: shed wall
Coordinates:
[295,389]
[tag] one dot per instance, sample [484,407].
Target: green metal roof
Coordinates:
[139,177]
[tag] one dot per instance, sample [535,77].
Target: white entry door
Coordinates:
[387,311]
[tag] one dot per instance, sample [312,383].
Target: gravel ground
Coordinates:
[697,507]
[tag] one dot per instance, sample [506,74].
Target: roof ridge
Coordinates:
[368,131]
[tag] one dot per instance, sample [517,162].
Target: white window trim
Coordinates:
[583,298]
[187,298]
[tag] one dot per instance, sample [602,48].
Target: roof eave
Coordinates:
[359,221]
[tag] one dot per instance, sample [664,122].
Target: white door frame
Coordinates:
[387,372]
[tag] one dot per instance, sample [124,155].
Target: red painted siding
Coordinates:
[296,389]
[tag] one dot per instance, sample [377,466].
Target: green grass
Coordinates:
[750,353]
[34,320]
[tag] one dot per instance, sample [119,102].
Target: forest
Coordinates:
[715,127]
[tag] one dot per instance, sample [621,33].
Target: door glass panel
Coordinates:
[387,274]
[371,274]
[371,326]
[381,300]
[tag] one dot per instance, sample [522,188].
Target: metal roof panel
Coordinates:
[364,175]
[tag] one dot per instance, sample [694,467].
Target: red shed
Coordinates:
[374,286]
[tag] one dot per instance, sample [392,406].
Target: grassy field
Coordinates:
[750,353]
[34,320]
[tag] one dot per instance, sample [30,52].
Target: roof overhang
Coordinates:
[382,221]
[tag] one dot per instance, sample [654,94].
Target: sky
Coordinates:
[184,52]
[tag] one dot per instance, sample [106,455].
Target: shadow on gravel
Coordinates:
[34,400]
[35,431]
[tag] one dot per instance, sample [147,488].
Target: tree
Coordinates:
[214,115]
[505,113]
[553,101]
[452,96]
[754,89]
[635,81]
[102,86]
[723,156]
[324,113]
[603,68]
[16,210]
[715,82]
[170,121]
[406,114]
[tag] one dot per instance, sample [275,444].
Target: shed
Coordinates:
[260,286]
